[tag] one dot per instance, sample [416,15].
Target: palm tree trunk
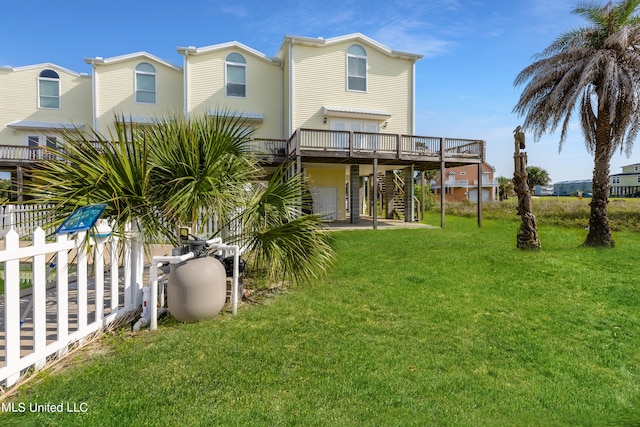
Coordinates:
[599,230]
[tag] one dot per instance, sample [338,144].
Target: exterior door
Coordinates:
[361,142]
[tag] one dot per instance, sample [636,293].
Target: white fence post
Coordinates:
[98,269]
[115,296]
[38,293]
[81,266]
[12,306]
[126,266]
[62,267]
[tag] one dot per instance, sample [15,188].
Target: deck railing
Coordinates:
[401,145]
[320,140]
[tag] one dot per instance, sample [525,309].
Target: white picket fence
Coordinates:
[26,218]
[89,286]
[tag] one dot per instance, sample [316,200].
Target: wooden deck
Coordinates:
[325,146]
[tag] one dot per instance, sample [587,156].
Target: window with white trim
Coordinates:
[48,89]
[145,83]
[616,180]
[356,68]
[236,75]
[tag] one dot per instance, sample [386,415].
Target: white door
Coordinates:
[361,142]
[325,202]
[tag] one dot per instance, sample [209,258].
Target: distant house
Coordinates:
[461,183]
[543,190]
[627,183]
[571,188]
[341,110]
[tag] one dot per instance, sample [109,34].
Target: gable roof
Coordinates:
[98,60]
[46,65]
[355,38]
[192,50]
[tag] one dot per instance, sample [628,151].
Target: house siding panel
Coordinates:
[320,79]
[264,89]
[19,98]
[116,92]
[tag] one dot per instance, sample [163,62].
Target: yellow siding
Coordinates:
[264,89]
[116,92]
[19,101]
[330,177]
[631,168]
[320,79]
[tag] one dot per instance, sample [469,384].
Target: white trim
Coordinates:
[136,73]
[185,83]
[291,106]
[46,65]
[192,50]
[59,97]
[355,38]
[226,75]
[114,59]
[366,69]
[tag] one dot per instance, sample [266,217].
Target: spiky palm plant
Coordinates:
[285,242]
[92,168]
[199,165]
[592,69]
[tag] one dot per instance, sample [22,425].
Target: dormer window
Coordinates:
[48,89]
[236,75]
[357,68]
[145,83]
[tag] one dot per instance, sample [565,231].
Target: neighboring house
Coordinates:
[571,188]
[543,190]
[37,103]
[342,110]
[627,183]
[139,86]
[461,183]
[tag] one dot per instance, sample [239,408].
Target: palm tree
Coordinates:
[536,176]
[170,173]
[592,69]
[505,188]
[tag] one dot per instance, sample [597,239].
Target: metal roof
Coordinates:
[27,124]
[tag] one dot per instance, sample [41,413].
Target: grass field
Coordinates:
[570,212]
[449,326]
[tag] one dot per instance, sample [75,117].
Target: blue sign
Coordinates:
[81,219]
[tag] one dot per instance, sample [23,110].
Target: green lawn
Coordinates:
[412,328]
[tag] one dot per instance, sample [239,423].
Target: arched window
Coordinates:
[356,68]
[145,83]
[48,89]
[236,75]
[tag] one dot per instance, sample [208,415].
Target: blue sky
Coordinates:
[473,50]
